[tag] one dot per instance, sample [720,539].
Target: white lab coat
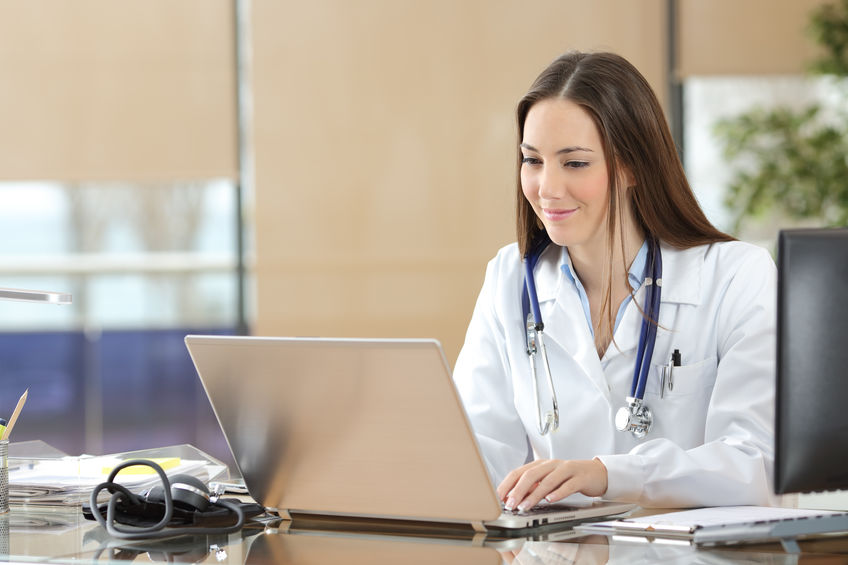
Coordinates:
[712,437]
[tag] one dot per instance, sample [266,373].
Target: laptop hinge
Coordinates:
[479,527]
[283,528]
[281,512]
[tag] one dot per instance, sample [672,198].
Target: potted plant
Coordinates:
[791,165]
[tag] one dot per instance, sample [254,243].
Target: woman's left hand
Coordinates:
[552,480]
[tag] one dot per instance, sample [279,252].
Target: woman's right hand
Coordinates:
[552,480]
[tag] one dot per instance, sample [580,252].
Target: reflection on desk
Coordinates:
[304,548]
[309,548]
[621,553]
[61,535]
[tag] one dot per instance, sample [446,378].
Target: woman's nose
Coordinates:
[551,183]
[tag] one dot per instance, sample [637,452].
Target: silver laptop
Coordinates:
[357,428]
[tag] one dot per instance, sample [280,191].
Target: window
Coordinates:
[146,265]
[710,99]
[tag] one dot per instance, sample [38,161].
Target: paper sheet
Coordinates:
[69,480]
[700,518]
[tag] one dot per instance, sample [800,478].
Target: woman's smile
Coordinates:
[558,214]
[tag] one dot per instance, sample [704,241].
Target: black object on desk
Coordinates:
[180,506]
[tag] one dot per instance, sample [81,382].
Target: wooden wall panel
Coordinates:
[748,37]
[385,150]
[130,90]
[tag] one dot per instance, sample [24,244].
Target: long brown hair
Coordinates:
[635,136]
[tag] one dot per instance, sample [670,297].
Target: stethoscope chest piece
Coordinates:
[636,418]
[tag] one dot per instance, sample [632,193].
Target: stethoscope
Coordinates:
[635,416]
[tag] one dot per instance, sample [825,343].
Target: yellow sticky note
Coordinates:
[165,462]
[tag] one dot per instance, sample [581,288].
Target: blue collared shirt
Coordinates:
[635,275]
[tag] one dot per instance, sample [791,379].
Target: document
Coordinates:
[725,524]
[70,480]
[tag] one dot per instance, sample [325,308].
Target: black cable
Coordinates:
[158,530]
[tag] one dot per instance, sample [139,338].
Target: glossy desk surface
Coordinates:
[62,535]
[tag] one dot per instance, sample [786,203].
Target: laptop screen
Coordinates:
[346,426]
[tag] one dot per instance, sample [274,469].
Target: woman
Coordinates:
[602,202]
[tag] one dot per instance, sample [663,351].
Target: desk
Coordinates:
[62,535]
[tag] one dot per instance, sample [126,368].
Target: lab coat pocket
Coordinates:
[680,412]
[686,379]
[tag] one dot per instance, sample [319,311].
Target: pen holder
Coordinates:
[4,537]
[4,476]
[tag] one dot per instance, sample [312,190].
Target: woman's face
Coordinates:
[564,173]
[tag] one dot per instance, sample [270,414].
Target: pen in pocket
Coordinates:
[668,373]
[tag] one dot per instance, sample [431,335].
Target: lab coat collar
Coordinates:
[548,272]
[681,273]
[681,285]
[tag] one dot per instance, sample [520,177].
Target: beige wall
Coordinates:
[385,150]
[140,90]
[384,134]
[722,37]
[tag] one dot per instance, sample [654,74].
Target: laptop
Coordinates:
[358,428]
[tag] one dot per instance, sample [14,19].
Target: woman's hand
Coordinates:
[552,480]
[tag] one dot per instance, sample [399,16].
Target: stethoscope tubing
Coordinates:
[530,291]
[647,332]
[529,297]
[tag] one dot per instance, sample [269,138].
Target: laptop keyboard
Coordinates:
[538,509]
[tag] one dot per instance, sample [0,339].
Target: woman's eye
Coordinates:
[530,161]
[576,164]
